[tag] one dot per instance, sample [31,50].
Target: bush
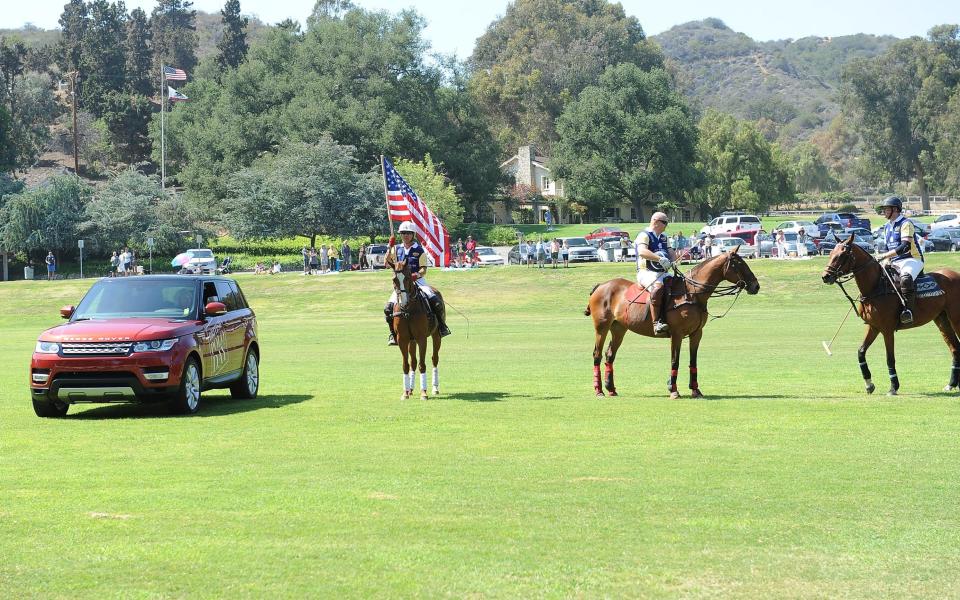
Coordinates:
[501,235]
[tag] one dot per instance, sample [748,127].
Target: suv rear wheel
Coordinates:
[248,385]
[187,399]
[50,408]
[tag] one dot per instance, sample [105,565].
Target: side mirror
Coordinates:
[67,311]
[215,309]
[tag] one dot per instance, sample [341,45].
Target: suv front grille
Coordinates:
[95,348]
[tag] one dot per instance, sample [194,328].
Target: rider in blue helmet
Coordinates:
[904,252]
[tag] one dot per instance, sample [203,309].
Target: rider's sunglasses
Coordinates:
[662,221]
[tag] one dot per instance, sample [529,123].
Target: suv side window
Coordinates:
[238,295]
[732,219]
[227,296]
[210,293]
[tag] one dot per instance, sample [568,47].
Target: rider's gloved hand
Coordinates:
[393,241]
[665,263]
[415,275]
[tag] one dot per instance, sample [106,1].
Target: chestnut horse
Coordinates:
[616,308]
[880,308]
[413,324]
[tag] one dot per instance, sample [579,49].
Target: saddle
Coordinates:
[926,285]
[637,294]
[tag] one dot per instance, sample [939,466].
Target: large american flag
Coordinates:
[173,74]
[404,205]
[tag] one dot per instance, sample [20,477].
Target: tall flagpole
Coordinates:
[163,147]
[386,197]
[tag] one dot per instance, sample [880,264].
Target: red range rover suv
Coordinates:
[143,339]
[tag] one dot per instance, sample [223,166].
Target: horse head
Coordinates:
[403,282]
[737,272]
[845,258]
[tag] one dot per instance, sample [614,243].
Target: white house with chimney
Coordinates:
[528,169]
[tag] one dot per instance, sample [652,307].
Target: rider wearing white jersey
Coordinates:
[654,259]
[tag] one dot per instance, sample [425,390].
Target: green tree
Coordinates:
[139,59]
[810,172]
[629,138]
[102,59]
[173,33]
[73,26]
[307,190]
[434,189]
[232,47]
[740,169]
[898,100]
[29,104]
[45,218]
[534,60]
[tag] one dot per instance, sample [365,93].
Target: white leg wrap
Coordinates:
[436,377]
[423,381]
[408,381]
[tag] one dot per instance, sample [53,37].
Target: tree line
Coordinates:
[283,136]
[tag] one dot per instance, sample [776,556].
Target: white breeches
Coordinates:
[424,287]
[648,278]
[908,265]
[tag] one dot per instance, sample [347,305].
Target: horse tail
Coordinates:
[587,312]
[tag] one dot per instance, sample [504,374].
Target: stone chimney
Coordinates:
[525,166]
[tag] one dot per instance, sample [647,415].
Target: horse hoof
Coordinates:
[674,395]
[948,388]
[696,394]
[424,396]
[892,393]
[613,393]
[600,393]
[436,391]
[870,388]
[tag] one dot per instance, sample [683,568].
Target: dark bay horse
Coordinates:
[880,308]
[616,307]
[413,324]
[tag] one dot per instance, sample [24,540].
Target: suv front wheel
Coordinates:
[248,385]
[186,400]
[50,408]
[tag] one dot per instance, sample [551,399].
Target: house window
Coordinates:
[633,214]
[544,182]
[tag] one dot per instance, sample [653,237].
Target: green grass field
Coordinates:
[786,481]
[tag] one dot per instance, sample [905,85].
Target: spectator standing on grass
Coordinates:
[362,257]
[555,251]
[708,246]
[565,253]
[51,261]
[306,260]
[314,261]
[334,267]
[114,262]
[801,243]
[681,241]
[541,253]
[624,248]
[324,259]
[781,244]
[524,251]
[471,248]
[346,256]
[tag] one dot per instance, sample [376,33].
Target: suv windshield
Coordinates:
[577,242]
[139,298]
[201,253]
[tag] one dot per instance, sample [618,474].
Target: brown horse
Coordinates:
[413,324]
[880,307]
[619,306]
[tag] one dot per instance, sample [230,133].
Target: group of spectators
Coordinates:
[465,254]
[330,259]
[123,263]
[537,252]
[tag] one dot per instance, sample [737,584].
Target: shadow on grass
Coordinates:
[214,406]
[479,396]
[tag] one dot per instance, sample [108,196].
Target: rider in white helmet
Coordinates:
[654,259]
[410,250]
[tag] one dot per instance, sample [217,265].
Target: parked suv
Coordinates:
[202,262]
[149,338]
[731,223]
[844,219]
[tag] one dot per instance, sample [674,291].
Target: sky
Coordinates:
[453,27]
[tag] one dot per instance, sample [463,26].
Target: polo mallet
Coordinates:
[826,345]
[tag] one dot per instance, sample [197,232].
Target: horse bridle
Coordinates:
[718,290]
[842,274]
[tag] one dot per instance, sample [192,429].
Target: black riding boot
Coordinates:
[388,314]
[657,311]
[440,312]
[909,296]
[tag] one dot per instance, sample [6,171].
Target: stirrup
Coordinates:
[906,317]
[444,331]
[660,327]
[392,340]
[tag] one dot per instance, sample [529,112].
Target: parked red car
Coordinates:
[596,235]
[152,338]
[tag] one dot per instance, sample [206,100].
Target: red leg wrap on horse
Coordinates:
[596,377]
[673,372]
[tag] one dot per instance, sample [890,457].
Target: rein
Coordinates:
[846,277]
[733,289]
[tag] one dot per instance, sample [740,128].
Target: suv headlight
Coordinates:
[154,346]
[47,347]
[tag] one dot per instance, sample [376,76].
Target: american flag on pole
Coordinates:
[404,205]
[172,74]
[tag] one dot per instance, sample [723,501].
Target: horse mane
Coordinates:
[696,269]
